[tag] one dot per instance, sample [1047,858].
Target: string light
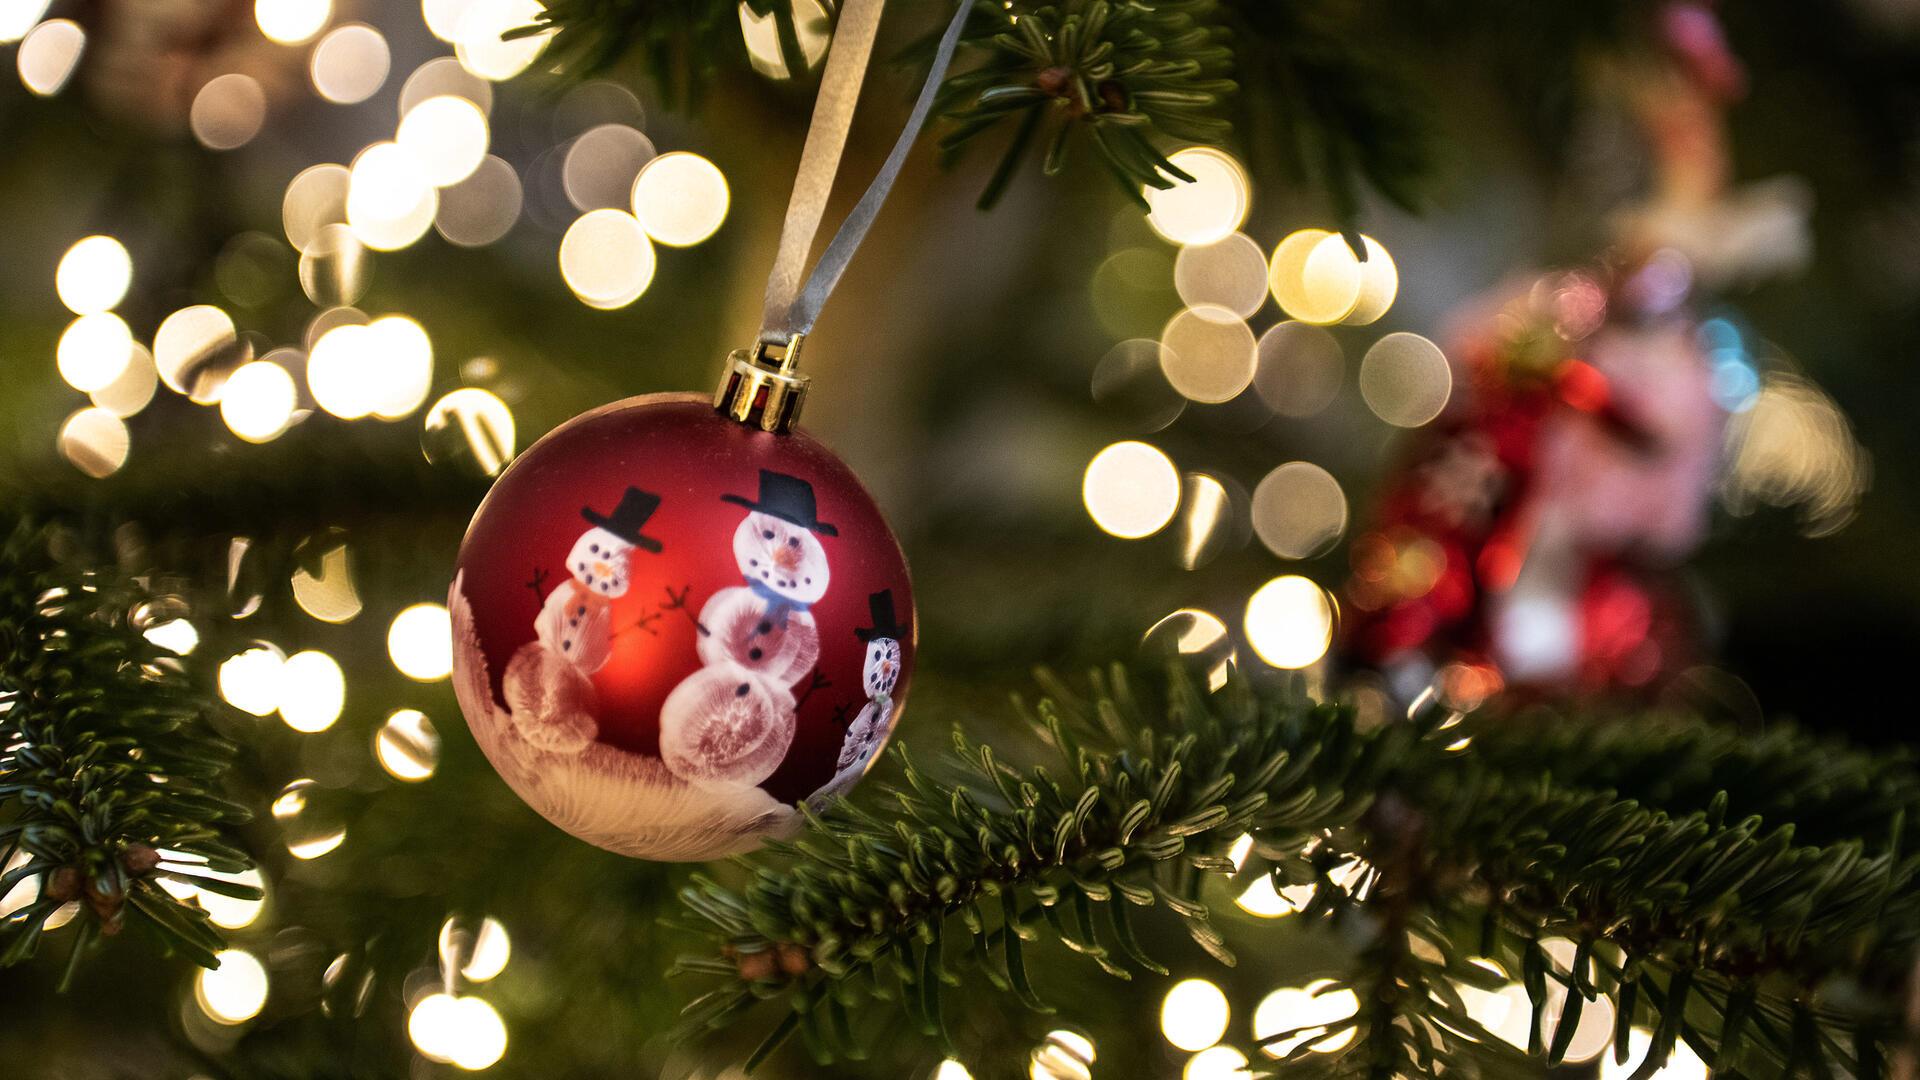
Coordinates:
[460,1030]
[93,275]
[444,75]
[350,64]
[479,952]
[1194,1014]
[1208,354]
[1315,277]
[399,361]
[1299,510]
[420,641]
[680,198]
[94,350]
[1405,379]
[292,22]
[482,208]
[316,197]
[390,202]
[600,166]
[234,990]
[1230,273]
[258,401]
[1206,210]
[17,17]
[1216,1063]
[407,746]
[447,136]
[1308,1007]
[192,350]
[760,32]
[606,259]
[1197,634]
[1299,370]
[480,46]
[328,595]
[309,818]
[133,388]
[178,636]
[1289,622]
[313,690]
[469,425]
[250,679]
[49,55]
[1131,490]
[95,441]
[1065,1055]
[228,111]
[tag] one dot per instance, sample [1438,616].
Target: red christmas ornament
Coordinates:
[673,627]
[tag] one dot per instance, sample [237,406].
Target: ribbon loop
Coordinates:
[791,305]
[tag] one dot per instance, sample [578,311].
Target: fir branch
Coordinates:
[109,774]
[1762,953]
[961,875]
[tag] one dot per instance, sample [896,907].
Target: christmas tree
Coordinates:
[1405,505]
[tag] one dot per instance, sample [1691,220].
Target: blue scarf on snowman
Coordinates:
[778,606]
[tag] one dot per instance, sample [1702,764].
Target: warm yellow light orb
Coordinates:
[1131,490]
[313,690]
[1194,1014]
[1290,622]
[234,990]
[420,641]
[680,198]
[93,275]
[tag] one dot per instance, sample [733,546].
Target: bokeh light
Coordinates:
[133,388]
[234,990]
[258,401]
[1289,622]
[1065,1055]
[310,820]
[95,441]
[460,1030]
[444,76]
[479,44]
[407,746]
[1217,1063]
[420,642]
[1299,510]
[17,17]
[1683,1064]
[350,64]
[292,22]
[606,259]
[477,950]
[1405,379]
[1795,448]
[250,679]
[1194,1014]
[313,690]
[93,351]
[399,365]
[600,166]
[316,197]
[1210,208]
[447,136]
[228,111]
[1379,284]
[470,427]
[1196,636]
[812,28]
[680,198]
[390,202]
[230,912]
[337,372]
[1300,368]
[1315,277]
[482,208]
[1229,274]
[1208,354]
[1131,490]
[195,350]
[1305,1007]
[93,275]
[950,1069]
[177,636]
[49,55]
[1213,518]
[443,17]
[328,595]
[334,269]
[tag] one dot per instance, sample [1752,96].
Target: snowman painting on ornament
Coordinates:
[879,675]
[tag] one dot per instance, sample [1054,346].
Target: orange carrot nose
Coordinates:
[601,569]
[787,558]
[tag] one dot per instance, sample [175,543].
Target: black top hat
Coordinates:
[788,498]
[885,625]
[629,517]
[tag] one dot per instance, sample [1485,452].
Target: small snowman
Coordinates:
[879,675]
[764,625]
[547,683]
[730,723]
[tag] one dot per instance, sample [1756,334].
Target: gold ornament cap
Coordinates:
[762,386]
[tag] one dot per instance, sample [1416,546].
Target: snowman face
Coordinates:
[882,669]
[599,561]
[781,556]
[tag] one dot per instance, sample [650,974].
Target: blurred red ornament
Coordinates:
[1524,543]
[672,628]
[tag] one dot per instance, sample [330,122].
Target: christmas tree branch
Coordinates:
[871,905]
[109,773]
[1761,953]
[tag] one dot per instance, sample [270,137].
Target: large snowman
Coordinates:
[548,683]
[879,675]
[731,722]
